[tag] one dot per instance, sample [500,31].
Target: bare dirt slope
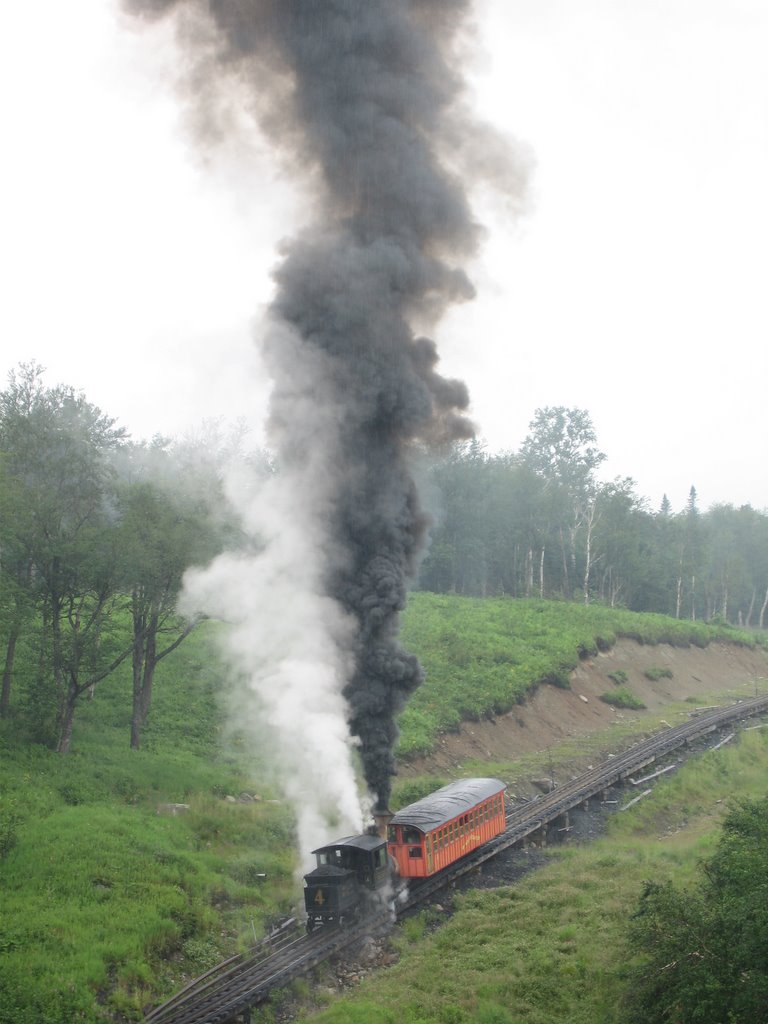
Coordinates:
[553,715]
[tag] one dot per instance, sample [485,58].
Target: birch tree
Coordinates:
[561,447]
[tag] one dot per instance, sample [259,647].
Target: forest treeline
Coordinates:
[97,531]
[539,523]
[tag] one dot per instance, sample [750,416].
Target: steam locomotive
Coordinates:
[357,873]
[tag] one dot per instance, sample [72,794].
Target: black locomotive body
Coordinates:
[350,873]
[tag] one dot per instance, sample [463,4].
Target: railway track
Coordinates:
[231,988]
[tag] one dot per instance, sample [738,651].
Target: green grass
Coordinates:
[484,655]
[107,905]
[553,949]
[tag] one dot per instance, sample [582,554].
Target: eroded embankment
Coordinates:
[553,715]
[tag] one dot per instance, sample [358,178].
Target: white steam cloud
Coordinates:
[287,641]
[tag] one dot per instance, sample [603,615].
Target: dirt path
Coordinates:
[553,715]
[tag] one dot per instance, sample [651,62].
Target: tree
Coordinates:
[173,515]
[16,580]
[703,951]
[620,542]
[87,643]
[690,553]
[56,449]
[161,536]
[561,447]
[516,528]
[735,563]
[456,562]
[155,552]
[663,594]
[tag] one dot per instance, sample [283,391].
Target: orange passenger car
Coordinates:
[427,836]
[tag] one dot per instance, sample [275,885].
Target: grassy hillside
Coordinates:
[483,655]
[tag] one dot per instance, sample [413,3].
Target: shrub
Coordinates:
[703,949]
[559,677]
[657,673]
[622,698]
[619,677]
[411,790]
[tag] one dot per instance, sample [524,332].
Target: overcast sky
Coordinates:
[634,286]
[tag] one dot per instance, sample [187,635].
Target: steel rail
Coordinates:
[221,996]
[268,946]
[243,981]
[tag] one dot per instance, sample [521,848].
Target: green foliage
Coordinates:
[622,698]
[655,674]
[703,948]
[409,791]
[59,552]
[562,447]
[620,677]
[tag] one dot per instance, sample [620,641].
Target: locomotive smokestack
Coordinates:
[365,96]
[382,818]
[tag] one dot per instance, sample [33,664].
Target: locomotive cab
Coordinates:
[347,873]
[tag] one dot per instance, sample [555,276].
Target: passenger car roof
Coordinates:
[452,800]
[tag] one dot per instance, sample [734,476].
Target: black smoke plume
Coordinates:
[363,98]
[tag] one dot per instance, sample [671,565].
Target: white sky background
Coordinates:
[636,287]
